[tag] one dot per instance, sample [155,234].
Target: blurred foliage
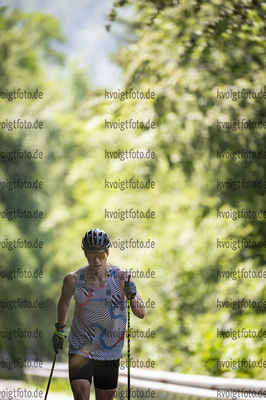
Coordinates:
[183,51]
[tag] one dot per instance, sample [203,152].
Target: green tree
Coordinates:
[27,40]
[186,51]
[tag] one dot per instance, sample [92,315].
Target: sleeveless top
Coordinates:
[99,323]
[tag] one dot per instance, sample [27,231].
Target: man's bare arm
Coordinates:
[68,289]
[137,305]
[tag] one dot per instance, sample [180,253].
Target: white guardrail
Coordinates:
[188,387]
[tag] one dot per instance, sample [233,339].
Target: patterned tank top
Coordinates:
[99,323]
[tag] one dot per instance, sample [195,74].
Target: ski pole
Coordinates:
[128,345]
[50,377]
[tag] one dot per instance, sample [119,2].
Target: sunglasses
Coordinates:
[93,254]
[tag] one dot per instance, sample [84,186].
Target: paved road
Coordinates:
[12,389]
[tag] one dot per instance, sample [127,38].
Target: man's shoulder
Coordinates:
[120,273]
[70,279]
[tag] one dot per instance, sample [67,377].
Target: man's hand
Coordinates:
[58,340]
[130,289]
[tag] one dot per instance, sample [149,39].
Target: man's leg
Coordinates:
[105,379]
[80,375]
[81,389]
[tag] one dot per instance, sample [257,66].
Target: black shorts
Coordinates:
[104,373]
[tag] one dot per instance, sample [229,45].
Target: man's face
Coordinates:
[96,259]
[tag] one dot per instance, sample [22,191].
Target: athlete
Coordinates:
[96,336]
